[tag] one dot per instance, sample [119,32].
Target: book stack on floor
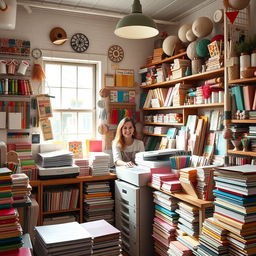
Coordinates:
[178,249]
[83,165]
[10,229]
[99,163]
[21,188]
[69,239]
[189,241]
[165,222]
[213,240]
[98,201]
[106,239]
[235,207]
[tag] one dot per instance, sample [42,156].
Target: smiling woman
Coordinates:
[125,144]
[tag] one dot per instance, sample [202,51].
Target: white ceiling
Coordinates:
[165,10]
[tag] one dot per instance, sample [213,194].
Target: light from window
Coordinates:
[73,86]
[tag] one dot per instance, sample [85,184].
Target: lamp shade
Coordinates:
[136,25]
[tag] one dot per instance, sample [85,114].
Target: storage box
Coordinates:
[178,73]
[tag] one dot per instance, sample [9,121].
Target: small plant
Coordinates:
[243,47]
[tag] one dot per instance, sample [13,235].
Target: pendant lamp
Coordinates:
[136,25]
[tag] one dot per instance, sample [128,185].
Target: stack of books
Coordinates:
[99,163]
[165,222]
[106,239]
[159,178]
[189,241]
[98,201]
[59,219]
[213,240]
[21,188]
[84,166]
[11,231]
[69,239]
[235,206]
[177,248]
[157,54]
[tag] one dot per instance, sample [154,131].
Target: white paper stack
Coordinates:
[69,239]
[99,163]
[83,165]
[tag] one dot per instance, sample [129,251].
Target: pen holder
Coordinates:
[12,66]
[23,67]
[3,66]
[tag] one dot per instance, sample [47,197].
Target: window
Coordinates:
[73,85]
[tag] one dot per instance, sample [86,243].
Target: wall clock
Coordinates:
[116,53]
[36,53]
[79,42]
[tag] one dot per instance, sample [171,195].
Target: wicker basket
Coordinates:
[233,72]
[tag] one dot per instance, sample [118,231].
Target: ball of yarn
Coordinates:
[103,129]
[202,49]
[218,37]
[190,35]
[169,44]
[182,32]
[238,4]
[191,50]
[202,27]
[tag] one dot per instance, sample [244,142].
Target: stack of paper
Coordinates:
[159,178]
[84,166]
[213,239]
[106,239]
[24,151]
[178,249]
[59,219]
[189,241]
[235,206]
[19,252]
[165,222]
[98,201]
[55,159]
[20,188]
[205,182]
[69,239]
[99,163]
[10,229]
[189,219]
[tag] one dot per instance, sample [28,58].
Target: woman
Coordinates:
[125,144]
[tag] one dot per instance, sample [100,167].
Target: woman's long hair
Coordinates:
[119,138]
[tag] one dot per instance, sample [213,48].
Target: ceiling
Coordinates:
[159,10]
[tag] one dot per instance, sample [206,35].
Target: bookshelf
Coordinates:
[45,185]
[202,205]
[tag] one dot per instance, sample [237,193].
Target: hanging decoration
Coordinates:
[116,53]
[232,16]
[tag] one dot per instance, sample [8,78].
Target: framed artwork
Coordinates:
[109,80]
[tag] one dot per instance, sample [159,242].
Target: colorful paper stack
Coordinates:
[98,202]
[106,239]
[21,188]
[176,248]
[24,151]
[11,231]
[99,163]
[159,178]
[179,162]
[213,240]
[165,222]
[83,165]
[235,206]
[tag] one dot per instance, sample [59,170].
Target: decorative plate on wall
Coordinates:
[116,53]
[79,42]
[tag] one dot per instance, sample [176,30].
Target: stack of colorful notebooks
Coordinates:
[165,222]
[10,229]
[20,188]
[98,201]
[99,163]
[106,239]
[69,239]
[167,181]
[213,240]
[235,207]
[84,166]
[178,249]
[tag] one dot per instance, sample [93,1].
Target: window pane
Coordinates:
[85,99]
[55,102]
[69,98]
[84,122]
[68,76]
[69,123]
[85,77]
[52,72]
[56,126]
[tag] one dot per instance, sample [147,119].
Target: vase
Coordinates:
[236,143]
[253,59]
[245,62]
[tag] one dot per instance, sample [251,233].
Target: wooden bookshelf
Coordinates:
[243,81]
[42,185]
[196,77]
[213,105]
[172,124]
[245,121]
[243,153]
[154,134]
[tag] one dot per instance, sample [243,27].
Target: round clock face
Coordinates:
[116,53]
[36,53]
[79,42]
